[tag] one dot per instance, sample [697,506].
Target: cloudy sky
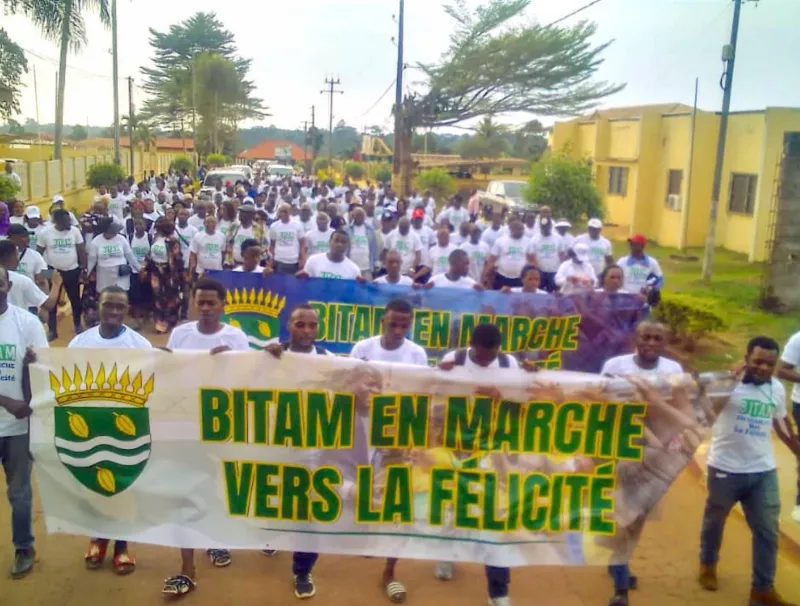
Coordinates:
[659,47]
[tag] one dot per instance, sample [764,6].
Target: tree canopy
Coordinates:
[197,78]
[567,185]
[12,65]
[495,66]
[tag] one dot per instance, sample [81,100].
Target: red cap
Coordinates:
[638,239]
[418,213]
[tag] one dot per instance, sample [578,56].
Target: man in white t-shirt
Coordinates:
[455,214]
[407,243]
[789,370]
[30,262]
[185,231]
[332,264]
[457,275]
[642,272]
[393,263]
[287,245]
[648,359]
[600,253]
[318,240]
[111,333]
[439,254]
[19,332]
[206,248]
[742,470]
[478,252]
[209,334]
[393,347]
[508,257]
[546,251]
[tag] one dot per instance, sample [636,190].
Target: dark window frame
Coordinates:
[746,183]
[618,177]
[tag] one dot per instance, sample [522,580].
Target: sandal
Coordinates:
[619,599]
[219,558]
[178,585]
[396,592]
[124,563]
[96,554]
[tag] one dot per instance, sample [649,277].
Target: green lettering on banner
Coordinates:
[568,437]
[556,499]
[412,431]
[468,423]
[468,499]
[538,418]
[261,399]
[398,498]
[322,314]
[631,429]
[240,433]
[330,424]
[295,488]
[502,323]
[440,329]
[577,487]
[215,421]
[365,513]
[519,333]
[327,506]
[238,486]
[512,523]
[468,323]
[421,327]
[343,314]
[288,420]
[491,520]
[265,490]
[536,488]
[440,494]
[507,427]
[382,414]
[537,335]
[361,324]
[601,500]
[600,425]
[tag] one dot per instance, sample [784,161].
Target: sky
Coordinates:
[659,48]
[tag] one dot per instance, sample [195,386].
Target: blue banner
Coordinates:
[577,332]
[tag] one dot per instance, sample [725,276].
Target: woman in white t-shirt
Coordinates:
[576,274]
[167,276]
[111,256]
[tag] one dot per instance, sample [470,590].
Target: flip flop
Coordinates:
[178,585]
[96,554]
[396,592]
[124,563]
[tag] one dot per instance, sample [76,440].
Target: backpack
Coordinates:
[318,348]
[461,358]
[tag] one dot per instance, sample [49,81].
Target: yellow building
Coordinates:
[654,166]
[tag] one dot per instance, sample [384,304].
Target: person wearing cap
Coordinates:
[25,293]
[58,202]
[427,238]
[34,224]
[363,247]
[599,247]
[562,229]
[244,229]
[546,251]
[576,274]
[642,272]
[30,263]
[111,255]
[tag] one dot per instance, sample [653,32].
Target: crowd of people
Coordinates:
[145,249]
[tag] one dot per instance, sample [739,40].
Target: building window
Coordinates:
[674,187]
[742,197]
[618,180]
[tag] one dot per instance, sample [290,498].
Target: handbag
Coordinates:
[124,270]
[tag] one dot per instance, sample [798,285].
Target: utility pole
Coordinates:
[305,143]
[36,97]
[331,91]
[729,59]
[399,147]
[115,63]
[130,123]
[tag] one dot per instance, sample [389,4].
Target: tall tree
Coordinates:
[188,58]
[12,65]
[495,67]
[79,133]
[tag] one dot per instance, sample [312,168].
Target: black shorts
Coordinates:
[501,281]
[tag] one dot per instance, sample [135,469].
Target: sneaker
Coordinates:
[304,587]
[504,601]
[444,571]
[619,599]
[24,559]
[796,513]
[708,577]
[767,597]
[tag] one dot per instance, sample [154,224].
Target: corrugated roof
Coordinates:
[266,150]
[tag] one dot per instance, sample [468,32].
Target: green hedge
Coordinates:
[105,173]
[690,318]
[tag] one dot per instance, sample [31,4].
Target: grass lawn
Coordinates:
[735,286]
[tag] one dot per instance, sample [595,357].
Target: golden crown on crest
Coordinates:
[254,301]
[111,386]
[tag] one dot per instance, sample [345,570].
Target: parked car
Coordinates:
[505,193]
[226,175]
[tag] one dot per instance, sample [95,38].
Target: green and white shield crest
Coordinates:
[106,448]
[256,312]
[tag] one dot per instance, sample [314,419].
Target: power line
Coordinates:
[386,92]
[573,13]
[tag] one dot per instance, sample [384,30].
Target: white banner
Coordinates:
[332,455]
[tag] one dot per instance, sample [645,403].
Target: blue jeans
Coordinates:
[302,563]
[498,580]
[760,500]
[15,456]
